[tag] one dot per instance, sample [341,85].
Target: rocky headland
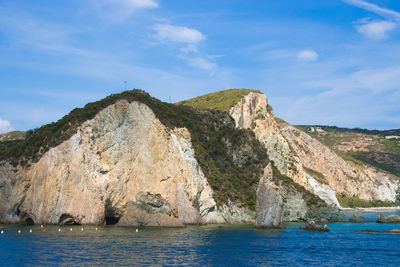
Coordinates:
[132,160]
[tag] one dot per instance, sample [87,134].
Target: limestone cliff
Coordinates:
[122,166]
[308,162]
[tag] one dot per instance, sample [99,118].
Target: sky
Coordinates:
[330,62]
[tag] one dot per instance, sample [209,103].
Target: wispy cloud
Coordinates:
[179,34]
[384,12]
[376,29]
[121,10]
[189,38]
[5,126]
[307,55]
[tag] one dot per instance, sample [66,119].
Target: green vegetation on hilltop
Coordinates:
[361,146]
[213,134]
[356,202]
[10,136]
[222,101]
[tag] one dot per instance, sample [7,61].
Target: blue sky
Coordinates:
[333,62]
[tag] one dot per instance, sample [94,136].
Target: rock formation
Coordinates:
[122,165]
[301,157]
[388,219]
[137,161]
[269,202]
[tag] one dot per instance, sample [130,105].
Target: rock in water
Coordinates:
[269,202]
[357,218]
[313,227]
[388,219]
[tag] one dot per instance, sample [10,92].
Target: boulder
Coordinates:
[313,227]
[388,219]
[357,218]
[269,204]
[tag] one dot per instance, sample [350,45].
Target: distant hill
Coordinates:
[380,149]
[14,135]
[8,140]
[222,100]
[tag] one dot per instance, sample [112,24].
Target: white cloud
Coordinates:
[200,61]
[5,126]
[139,3]
[188,39]
[178,34]
[384,12]
[376,29]
[307,55]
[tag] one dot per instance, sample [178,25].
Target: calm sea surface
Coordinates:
[207,245]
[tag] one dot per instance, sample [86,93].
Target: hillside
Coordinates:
[380,149]
[10,136]
[134,160]
[229,180]
[307,161]
[222,100]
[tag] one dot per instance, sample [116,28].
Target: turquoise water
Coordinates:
[207,245]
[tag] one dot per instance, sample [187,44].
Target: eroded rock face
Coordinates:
[291,149]
[269,205]
[122,162]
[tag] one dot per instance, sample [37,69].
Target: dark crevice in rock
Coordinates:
[29,221]
[67,219]
[111,215]
[111,220]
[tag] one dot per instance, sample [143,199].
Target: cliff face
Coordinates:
[122,165]
[306,161]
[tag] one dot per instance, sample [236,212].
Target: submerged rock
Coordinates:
[357,218]
[269,203]
[394,231]
[388,219]
[313,227]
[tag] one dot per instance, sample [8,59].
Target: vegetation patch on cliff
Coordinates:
[380,149]
[356,202]
[222,101]
[232,159]
[316,175]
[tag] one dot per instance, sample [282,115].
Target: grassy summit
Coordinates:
[221,101]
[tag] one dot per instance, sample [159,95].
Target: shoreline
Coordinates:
[374,209]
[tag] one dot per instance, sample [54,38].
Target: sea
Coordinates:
[211,245]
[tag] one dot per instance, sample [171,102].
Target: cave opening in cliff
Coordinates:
[110,213]
[29,221]
[110,220]
[67,219]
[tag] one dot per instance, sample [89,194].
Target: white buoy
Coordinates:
[137,230]
[2,232]
[96,228]
[81,229]
[70,229]
[41,226]
[59,229]
[19,231]
[30,230]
